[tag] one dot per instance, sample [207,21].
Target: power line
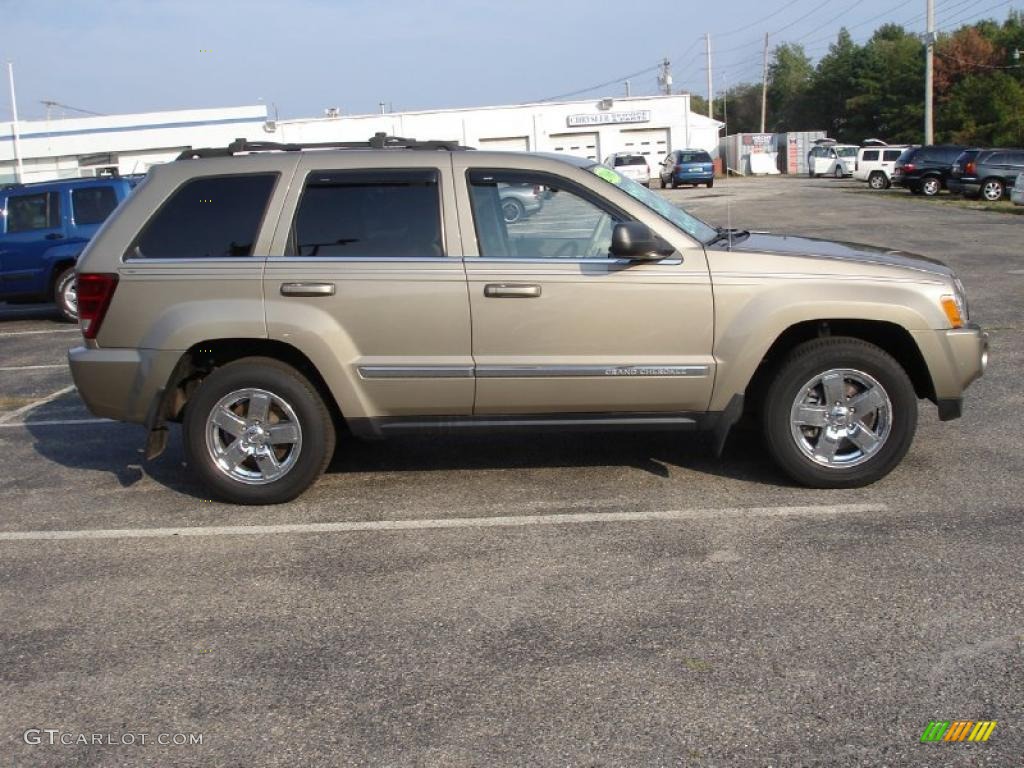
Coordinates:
[973,15]
[602,85]
[759,21]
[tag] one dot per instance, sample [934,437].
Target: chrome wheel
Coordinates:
[931,187]
[70,296]
[992,191]
[877,181]
[841,418]
[253,436]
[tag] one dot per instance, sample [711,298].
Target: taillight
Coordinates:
[95,290]
[679,169]
[908,166]
[970,167]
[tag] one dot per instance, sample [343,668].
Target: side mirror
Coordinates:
[634,240]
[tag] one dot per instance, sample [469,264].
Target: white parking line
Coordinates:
[48,330]
[459,522]
[13,415]
[54,423]
[9,368]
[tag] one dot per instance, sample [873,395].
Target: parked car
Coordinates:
[875,164]
[44,229]
[1017,193]
[831,159]
[687,166]
[380,290]
[520,200]
[631,166]
[986,173]
[925,170]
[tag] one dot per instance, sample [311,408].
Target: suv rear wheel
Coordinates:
[65,295]
[992,190]
[257,432]
[877,180]
[840,413]
[931,186]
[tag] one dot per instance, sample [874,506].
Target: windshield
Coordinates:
[847,151]
[630,160]
[677,216]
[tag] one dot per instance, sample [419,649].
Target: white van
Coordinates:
[875,164]
[831,159]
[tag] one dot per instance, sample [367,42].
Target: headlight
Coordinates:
[955,306]
[961,298]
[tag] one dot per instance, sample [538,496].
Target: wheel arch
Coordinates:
[888,336]
[199,360]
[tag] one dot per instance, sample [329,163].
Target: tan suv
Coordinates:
[265,296]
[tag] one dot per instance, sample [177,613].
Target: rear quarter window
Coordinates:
[891,155]
[870,156]
[92,205]
[207,218]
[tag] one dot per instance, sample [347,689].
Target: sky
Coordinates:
[302,56]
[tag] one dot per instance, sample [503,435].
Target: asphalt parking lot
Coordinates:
[551,600]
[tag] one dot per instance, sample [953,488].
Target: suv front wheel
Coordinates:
[840,413]
[257,432]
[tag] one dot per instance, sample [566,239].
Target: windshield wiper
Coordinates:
[732,235]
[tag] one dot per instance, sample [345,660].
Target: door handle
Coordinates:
[307,289]
[511,291]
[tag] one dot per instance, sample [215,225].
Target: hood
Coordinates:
[762,242]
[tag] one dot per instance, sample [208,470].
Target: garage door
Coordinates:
[652,143]
[579,144]
[506,144]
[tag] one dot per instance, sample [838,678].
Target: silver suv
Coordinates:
[265,297]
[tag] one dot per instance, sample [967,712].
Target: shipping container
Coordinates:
[793,150]
[750,153]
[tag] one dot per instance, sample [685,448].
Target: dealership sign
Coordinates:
[608,118]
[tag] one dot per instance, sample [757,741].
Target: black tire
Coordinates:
[65,296]
[314,420]
[512,210]
[711,184]
[931,186]
[877,180]
[800,367]
[838,172]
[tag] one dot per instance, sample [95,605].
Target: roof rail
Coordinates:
[377,141]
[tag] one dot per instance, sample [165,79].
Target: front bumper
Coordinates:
[120,383]
[956,358]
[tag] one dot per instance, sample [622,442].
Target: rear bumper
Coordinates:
[693,178]
[120,383]
[956,358]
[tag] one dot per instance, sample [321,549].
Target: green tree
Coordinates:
[986,109]
[888,102]
[789,77]
[835,82]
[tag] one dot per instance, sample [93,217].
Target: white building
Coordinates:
[650,125]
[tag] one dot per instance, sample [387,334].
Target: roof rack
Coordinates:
[377,141]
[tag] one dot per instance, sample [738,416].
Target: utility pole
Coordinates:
[929,75]
[711,97]
[665,77]
[19,171]
[764,83]
[627,90]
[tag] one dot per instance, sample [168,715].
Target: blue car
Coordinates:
[687,166]
[44,227]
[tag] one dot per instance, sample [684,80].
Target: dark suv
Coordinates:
[925,170]
[987,173]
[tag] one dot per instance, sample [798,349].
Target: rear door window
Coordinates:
[369,214]
[27,213]
[870,156]
[91,205]
[210,217]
